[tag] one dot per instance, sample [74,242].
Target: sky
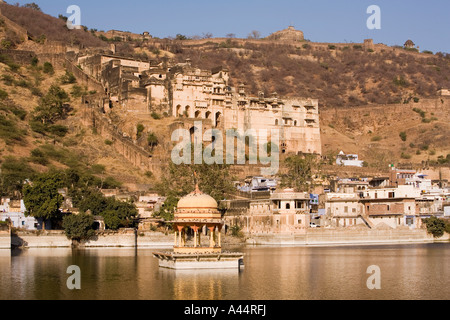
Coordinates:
[425,22]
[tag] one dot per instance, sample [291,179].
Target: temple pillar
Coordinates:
[211,237]
[195,228]
[180,234]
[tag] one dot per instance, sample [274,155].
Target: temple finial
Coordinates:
[197,189]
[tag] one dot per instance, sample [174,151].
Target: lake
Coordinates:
[413,271]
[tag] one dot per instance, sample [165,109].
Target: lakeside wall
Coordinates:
[327,237]
[148,239]
[5,239]
[57,239]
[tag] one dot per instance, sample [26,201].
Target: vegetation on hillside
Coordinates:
[42,27]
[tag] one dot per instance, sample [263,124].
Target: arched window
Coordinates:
[288,206]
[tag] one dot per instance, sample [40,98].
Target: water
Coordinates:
[419,271]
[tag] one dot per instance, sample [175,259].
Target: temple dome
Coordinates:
[197,200]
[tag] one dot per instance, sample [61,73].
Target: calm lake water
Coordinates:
[416,271]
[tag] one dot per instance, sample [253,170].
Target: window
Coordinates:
[345,209]
[288,206]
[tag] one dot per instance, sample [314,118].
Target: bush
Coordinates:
[68,78]
[156,116]
[108,142]
[405,156]
[376,138]
[48,68]
[3,94]
[403,135]
[78,227]
[435,226]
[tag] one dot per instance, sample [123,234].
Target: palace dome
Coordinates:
[197,200]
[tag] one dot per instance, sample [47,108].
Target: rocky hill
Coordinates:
[378,101]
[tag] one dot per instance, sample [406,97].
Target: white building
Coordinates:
[348,160]
[15,211]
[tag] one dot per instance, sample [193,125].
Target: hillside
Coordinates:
[42,27]
[379,102]
[26,147]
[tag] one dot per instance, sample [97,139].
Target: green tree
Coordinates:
[435,226]
[178,181]
[299,173]
[115,212]
[78,227]
[53,106]
[42,199]
[14,173]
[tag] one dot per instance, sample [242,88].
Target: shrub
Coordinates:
[68,78]
[156,116]
[78,227]
[403,135]
[108,142]
[405,156]
[48,68]
[435,226]
[3,94]
[376,138]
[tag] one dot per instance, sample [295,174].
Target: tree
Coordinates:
[78,227]
[435,226]
[178,181]
[181,37]
[115,212]
[42,199]
[254,35]
[53,106]
[299,173]
[14,173]
[33,6]
[152,140]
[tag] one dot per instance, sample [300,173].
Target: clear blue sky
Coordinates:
[426,22]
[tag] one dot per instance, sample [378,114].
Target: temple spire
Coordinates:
[197,189]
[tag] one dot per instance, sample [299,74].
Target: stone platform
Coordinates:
[181,261]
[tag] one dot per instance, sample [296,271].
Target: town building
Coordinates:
[281,211]
[14,210]
[348,160]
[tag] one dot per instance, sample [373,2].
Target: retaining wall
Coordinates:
[343,237]
[5,239]
[112,239]
[46,239]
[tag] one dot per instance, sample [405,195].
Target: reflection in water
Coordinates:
[271,273]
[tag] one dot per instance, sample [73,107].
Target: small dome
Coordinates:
[197,200]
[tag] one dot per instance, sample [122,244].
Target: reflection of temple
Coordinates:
[195,213]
